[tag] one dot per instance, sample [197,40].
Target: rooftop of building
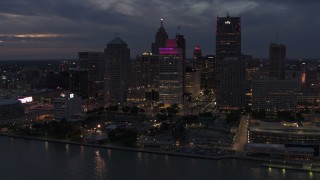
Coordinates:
[4,101]
[263,145]
[283,127]
[118,41]
[280,147]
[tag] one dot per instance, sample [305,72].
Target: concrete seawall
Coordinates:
[120,148]
[188,155]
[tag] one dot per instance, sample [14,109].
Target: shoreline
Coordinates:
[120,147]
[291,167]
[187,155]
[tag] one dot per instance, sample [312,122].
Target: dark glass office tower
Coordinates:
[117,71]
[197,58]
[230,74]
[181,43]
[277,59]
[94,63]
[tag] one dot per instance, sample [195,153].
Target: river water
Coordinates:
[30,159]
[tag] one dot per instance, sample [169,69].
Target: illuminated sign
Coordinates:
[26,100]
[169,51]
[71,95]
[147,53]
[227,22]
[197,48]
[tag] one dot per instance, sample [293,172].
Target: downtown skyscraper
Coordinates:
[94,63]
[160,40]
[117,56]
[277,59]
[231,71]
[171,73]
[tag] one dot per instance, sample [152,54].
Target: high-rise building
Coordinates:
[171,73]
[232,88]
[181,44]
[208,73]
[94,63]
[197,58]
[117,56]
[144,77]
[231,68]
[192,81]
[228,38]
[148,70]
[160,39]
[277,58]
[79,83]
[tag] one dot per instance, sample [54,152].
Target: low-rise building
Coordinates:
[66,105]
[284,133]
[10,107]
[280,151]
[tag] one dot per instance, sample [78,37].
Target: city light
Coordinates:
[26,100]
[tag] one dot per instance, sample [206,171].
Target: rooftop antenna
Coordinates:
[161,22]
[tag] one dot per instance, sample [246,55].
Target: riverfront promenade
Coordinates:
[119,147]
[275,163]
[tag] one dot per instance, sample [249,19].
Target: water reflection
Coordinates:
[46,146]
[82,163]
[139,156]
[283,172]
[82,151]
[67,148]
[109,153]
[269,171]
[167,158]
[310,175]
[100,166]
[11,142]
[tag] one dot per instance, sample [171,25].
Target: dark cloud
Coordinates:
[90,24]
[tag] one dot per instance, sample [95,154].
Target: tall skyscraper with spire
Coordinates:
[160,40]
[230,74]
[117,56]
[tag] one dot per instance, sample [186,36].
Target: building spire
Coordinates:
[161,22]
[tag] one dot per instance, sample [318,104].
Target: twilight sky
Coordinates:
[49,29]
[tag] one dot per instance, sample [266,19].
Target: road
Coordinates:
[241,137]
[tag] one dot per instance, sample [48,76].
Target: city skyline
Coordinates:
[33,31]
